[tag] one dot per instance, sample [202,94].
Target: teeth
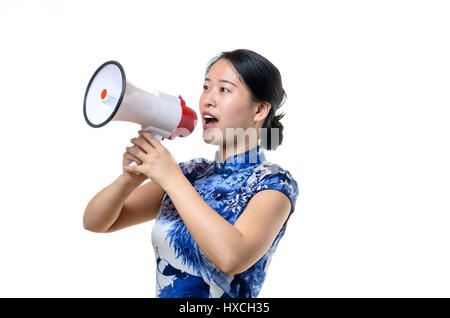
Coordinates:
[207,116]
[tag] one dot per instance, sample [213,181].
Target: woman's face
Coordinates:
[227,100]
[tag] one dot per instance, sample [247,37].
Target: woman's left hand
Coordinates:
[158,164]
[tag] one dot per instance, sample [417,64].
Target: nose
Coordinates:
[209,99]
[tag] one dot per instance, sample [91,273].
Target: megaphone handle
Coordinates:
[133,163]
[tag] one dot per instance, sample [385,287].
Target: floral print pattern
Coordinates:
[182,268]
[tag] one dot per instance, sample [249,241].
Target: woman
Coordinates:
[218,222]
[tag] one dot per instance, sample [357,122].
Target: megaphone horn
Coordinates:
[109,96]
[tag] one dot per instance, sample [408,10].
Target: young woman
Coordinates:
[218,222]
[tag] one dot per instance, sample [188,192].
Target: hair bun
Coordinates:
[268,141]
[276,121]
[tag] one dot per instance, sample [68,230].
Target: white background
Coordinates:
[367,139]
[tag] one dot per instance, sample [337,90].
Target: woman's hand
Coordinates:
[132,177]
[153,159]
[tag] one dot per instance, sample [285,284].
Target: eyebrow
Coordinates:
[221,80]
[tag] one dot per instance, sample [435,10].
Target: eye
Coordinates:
[206,86]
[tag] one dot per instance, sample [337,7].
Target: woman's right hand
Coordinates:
[127,159]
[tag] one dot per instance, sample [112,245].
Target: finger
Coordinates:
[142,143]
[138,147]
[126,169]
[138,153]
[132,169]
[152,140]
[132,158]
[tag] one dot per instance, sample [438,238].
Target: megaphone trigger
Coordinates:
[133,163]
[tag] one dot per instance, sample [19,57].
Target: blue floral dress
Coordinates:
[182,269]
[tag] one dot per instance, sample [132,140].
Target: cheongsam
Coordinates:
[182,270]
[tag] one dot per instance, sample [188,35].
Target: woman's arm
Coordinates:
[232,248]
[122,204]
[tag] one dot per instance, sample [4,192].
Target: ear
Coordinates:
[261,111]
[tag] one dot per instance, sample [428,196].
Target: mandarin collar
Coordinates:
[252,157]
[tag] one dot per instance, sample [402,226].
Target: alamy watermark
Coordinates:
[237,136]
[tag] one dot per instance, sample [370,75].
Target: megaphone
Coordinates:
[109,96]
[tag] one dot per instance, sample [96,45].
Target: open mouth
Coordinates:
[210,121]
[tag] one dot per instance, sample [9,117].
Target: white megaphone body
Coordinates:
[109,96]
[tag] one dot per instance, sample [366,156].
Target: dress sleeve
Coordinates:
[280,180]
[182,166]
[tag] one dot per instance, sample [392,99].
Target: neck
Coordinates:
[230,150]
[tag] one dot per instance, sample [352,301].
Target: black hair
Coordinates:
[263,80]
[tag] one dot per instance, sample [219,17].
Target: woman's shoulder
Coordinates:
[270,175]
[270,169]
